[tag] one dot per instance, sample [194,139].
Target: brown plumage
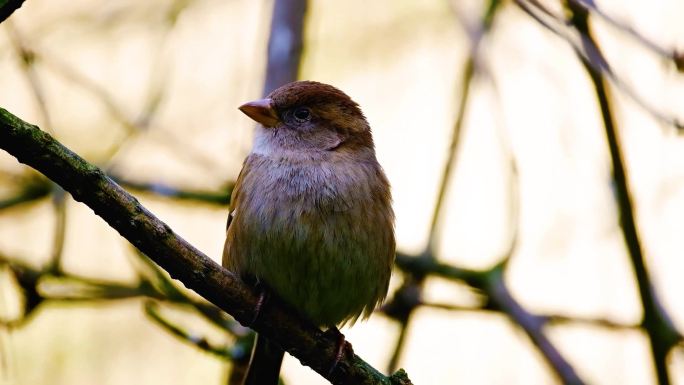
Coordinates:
[311,214]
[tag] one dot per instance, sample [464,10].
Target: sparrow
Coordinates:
[310,218]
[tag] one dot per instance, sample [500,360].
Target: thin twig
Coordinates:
[27,59]
[585,47]
[155,276]
[469,70]
[557,319]
[201,342]
[221,198]
[59,205]
[31,191]
[547,319]
[437,212]
[668,54]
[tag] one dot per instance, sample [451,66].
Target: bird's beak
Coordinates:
[261,111]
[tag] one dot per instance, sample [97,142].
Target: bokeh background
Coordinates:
[494,120]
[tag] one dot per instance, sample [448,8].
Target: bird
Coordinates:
[310,218]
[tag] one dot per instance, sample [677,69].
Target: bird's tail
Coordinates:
[264,366]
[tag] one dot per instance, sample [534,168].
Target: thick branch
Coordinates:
[88,184]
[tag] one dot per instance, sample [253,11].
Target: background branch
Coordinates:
[663,336]
[285,43]
[7,8]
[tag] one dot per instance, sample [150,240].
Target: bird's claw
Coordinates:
[261,300]
[341,346]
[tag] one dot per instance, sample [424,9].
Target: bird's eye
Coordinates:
[302,114]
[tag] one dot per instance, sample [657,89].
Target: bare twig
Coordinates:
[155,276]
[201,342]
[547,319]
[40,285]
[221,198]
[27,59]
[469,70]
[671,55]
[100,93]
[587,48]
[31,190]
[466,80]
[59,205]
[557,319]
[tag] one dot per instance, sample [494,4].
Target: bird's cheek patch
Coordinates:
[332,141]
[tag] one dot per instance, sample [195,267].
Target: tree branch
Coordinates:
[498,297]
[663,335]
[7,8]
[285,43]
[88,184]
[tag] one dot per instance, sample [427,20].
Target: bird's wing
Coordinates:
[235,194]
[232,207]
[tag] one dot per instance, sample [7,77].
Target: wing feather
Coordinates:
[232,207]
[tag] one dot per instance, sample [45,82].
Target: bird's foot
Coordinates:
[261,300]
[341,346]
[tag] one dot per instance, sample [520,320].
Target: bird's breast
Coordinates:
[310,229]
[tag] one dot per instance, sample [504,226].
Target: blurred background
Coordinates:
[534,150]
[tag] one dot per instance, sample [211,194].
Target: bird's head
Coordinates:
[308,116]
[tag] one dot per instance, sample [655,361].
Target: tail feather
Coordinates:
[264,366]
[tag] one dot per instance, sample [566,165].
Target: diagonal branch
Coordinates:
[668,54]
[532,324]
[88,184]
[201,342]
[499,298]
[590,53]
